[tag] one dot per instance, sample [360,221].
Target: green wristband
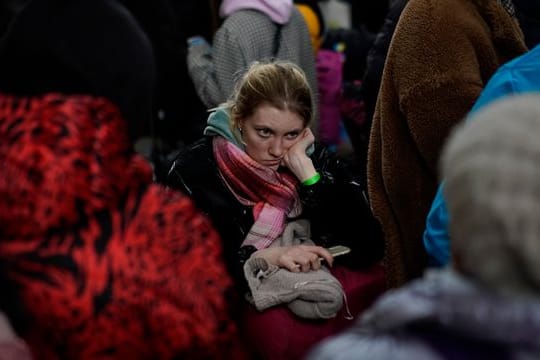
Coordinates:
[312,180]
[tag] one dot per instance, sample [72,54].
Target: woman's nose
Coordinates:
[276,148]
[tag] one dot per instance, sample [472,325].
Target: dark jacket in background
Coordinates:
[528,13]
[336,206]
[368,13]
[376,58]
[7,12]
[178,115]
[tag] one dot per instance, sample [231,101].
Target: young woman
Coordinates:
[257,169]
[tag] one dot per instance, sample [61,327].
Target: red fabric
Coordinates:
[105,264]
[277,333]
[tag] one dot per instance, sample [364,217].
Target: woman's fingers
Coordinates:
[304,265]
[316,262]
[308,136]
[323,253]
[304,258]
[306,140]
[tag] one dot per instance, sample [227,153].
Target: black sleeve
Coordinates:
[339,211]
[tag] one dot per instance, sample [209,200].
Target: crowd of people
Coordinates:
[171,185]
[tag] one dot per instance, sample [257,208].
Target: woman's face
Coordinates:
[269,133]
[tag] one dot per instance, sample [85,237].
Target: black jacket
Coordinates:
[528,13]
[377,57]
[336,206]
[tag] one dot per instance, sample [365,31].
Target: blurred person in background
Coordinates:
[441,56]
[486,303]
[521,75]
[96,261]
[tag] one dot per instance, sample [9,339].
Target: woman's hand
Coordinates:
[296,258]
[296,158]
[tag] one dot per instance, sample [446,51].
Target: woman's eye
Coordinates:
[263,132]
[292,136]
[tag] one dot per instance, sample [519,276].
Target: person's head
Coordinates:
[90,47]
[491,167]
[270,108]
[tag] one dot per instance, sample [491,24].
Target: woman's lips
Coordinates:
[273,162]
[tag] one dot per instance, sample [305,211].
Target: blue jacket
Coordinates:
[517,76]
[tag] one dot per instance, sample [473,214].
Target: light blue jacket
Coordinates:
[517,76]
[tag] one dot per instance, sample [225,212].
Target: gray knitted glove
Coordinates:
[312,295]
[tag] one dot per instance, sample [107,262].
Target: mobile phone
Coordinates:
[339,250]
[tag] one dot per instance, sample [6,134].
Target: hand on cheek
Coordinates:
[296,158]
[305,139]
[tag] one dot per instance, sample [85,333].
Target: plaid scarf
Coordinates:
[508,5]
[272,194]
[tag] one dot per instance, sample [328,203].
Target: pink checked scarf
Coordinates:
[271,193]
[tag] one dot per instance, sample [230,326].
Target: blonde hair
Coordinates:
[280,84]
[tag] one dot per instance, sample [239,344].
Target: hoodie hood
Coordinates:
[278,10]
[219,124]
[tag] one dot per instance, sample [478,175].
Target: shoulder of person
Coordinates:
[197,157]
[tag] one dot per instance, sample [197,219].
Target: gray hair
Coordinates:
[491,167]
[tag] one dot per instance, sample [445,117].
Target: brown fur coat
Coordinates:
[442,54]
